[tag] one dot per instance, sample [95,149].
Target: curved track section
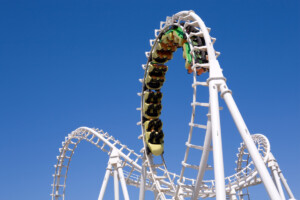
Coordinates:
[131,163]
[194,30]
[145,170]
[98,138]
[244,177]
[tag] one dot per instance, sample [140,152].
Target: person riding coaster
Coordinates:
[154,83]
[155,142]
[152,111]
[162,52]
[153,124]
[152,97]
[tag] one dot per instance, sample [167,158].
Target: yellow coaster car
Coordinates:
[155,142]
[152,111]
[152,97]
[154,68]
[162,54]
[154,83]
[153,125]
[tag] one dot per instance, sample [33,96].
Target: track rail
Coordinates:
[131,163]
[139,169]
[98,138]
[185,20]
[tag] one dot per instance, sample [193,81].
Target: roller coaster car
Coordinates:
[152,97]
[166,41]
[198,41]
[158,57]
[191,29]
[174,36]
[155,66]
[162,54]
[152,111]
[187,52]
[153,125]
[179,38]
[198,70]
[154,83]
[166,47]
[155,142]
[201,57]
[159,60]
[187,56]
[157,69]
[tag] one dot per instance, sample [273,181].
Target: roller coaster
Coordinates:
[255,163]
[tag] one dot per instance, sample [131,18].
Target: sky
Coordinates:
[67,64]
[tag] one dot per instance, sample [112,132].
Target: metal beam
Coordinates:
[217,141]
[116,184]
[245,134]
[105,181]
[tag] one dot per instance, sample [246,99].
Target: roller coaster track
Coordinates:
[184,20]
[132,162]
[149,174]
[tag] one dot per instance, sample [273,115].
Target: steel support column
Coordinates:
[286,186]
[204,158]
[143,180]
[116,184]
[245,134]
[217,141]
[105,181]
[123,182]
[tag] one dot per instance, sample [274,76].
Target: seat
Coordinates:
[152,111]
[154,83]
[157,69]
[152,97]
[155,142]
[156,66]
[153,125]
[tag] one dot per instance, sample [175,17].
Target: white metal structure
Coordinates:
[130,168]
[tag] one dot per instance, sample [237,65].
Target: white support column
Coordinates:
[204,158]
[155,194]
[241,195]
[283,180]
[123,182]
[277,180]
[286,186]
[105,181]
[116,184]
[217,141]
[143,180]
[245,134]
[114,160]
[233,194]
[272,164]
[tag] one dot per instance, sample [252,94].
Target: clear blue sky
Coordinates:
[66,64]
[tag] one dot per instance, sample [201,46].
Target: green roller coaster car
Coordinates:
[187,55]
[175,34]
